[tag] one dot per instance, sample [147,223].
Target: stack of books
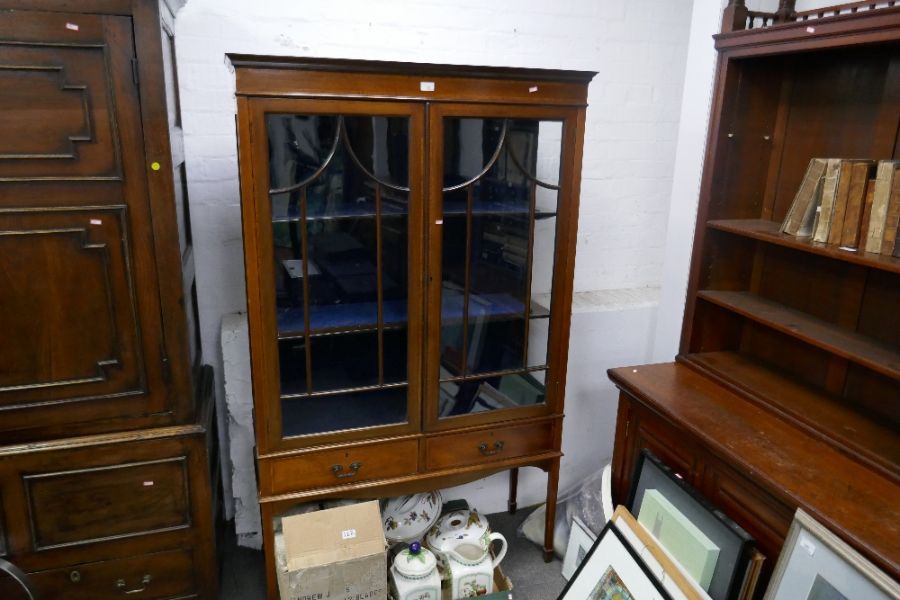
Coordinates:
[851,203]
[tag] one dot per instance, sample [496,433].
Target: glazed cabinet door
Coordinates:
[80,319]
[333,237]
[502,205]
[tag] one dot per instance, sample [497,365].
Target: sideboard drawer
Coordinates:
[357,463]
[88,505]
[151,576]
[476,447]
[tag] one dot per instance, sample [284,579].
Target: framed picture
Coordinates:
[817,565]
[669,573]
[714,550]
[612,570]
[580,541]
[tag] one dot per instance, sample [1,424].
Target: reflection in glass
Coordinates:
[339,201]
[500,199]
[321,414]
[481,395]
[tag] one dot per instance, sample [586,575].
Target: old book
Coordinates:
[866,214]
[890,245]
[856,199]
[829,191]
[881,194]
[841,195]
[802,209]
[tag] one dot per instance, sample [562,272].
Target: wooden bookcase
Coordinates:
[806,331]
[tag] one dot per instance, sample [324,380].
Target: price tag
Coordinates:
[348,534]
[426,86]
[72,26]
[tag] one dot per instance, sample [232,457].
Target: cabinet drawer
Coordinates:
[156,576]
[111,502]
[487,445]
[317,469]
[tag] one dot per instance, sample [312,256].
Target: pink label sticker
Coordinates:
[96,222]
[148,484]
[72,26]
[532,89]
[439,222]
[810,30]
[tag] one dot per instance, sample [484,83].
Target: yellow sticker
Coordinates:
[155,166]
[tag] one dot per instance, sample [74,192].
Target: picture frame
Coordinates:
[815,564]
[613,566]
[580,541]
[669,573]
[709,526]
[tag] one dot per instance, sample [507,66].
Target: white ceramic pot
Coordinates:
[414,575]
[471,570]
[461,527]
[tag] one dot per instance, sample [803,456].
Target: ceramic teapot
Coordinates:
[461,527]
[414,575]
[471,570]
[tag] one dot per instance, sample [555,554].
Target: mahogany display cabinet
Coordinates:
[409,235]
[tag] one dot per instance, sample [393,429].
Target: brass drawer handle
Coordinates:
[145,581]
[483,448]
[354,469]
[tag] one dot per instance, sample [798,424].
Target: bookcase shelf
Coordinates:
[853,346]
[823,415]
[770,232]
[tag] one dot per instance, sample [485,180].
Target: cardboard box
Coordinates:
[335,554]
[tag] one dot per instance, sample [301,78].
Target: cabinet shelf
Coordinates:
[820,414]
[480,208]
[879,357]
[360,317]
[346,211]
[770,232]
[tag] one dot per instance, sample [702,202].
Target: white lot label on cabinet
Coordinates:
[532,89]
[348,534]
[72,26]
[426,86]
[96,222]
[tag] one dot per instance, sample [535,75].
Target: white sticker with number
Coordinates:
[348,534]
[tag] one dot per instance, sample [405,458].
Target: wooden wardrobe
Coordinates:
[107,447]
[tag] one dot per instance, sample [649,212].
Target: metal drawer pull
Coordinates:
[145,581]
[483,448]
[354,469]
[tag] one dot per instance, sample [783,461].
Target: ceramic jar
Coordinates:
[461,527]
[408,518]
[414,575]
[471,570]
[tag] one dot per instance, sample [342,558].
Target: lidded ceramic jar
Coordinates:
[414,574]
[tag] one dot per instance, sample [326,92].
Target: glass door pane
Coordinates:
[339,192]
[500,194]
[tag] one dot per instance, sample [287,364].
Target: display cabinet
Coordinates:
[804,330]
[409,238]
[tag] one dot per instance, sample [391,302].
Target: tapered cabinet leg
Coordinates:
[268,531]
[513,490]
[552,491]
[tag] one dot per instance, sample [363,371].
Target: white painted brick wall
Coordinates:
[637,46]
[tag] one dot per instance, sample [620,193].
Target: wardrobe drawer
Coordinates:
[357,463]
[152,576]
[82,506]
[476,447]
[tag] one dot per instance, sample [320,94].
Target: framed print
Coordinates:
[666,569]
[711,547]
[580,541]
[815,564]
[613,570]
